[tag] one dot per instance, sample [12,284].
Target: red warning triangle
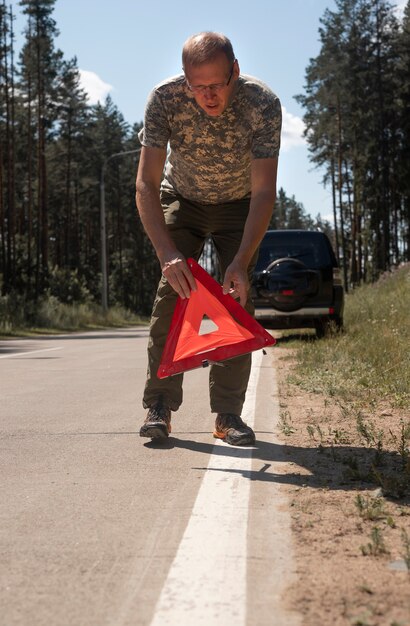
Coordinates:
[236,332]
[190,341]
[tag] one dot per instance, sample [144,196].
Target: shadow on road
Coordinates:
[303,338]
[330,467]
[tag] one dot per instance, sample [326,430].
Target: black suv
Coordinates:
[297,282]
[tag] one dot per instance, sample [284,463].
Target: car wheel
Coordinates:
[327,327]
[322,328]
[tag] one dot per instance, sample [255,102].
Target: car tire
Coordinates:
[322,328]
[327,327]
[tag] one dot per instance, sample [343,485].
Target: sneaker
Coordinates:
[233,430]
[157,424]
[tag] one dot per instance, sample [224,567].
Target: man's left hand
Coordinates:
[236,281]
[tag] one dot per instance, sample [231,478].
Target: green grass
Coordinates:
[51,316]
[370,361]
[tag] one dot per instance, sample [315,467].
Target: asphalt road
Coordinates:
[99,527]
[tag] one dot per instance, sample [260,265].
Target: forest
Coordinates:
[56,150]
[357,116]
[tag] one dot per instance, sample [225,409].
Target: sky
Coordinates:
[125,47]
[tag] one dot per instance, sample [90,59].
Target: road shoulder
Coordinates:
[349,540]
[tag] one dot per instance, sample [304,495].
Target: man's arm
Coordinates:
[263,196]
[173,264]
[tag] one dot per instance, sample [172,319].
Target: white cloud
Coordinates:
[95,88]
[292,130]
[400,6]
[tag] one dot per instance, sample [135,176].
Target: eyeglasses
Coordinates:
[214,87]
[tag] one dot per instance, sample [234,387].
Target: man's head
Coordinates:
[211,70]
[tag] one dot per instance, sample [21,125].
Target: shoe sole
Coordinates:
[244,440]
[154,431]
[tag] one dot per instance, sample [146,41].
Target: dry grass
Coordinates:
[52,316]
[369,363]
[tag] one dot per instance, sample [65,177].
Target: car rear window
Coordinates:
[312,248]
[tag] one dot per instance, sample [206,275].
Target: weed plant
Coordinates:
[376,546]
[370,508]
[285,423]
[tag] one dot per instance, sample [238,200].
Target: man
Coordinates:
[223,133]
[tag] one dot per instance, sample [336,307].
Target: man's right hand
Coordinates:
[177,272]
[173,264]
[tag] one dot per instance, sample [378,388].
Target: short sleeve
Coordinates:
[156,130]
[266,138]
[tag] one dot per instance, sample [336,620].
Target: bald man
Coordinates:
[217,134]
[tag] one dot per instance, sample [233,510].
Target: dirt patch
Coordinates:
[350,507]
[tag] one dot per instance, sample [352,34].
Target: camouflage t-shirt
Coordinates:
[209,158]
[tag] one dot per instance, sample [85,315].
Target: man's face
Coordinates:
[212,84]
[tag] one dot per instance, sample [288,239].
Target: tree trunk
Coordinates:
[42,178]
[340,190]
[384,166]
[337,244]
[29,175]
[9,267]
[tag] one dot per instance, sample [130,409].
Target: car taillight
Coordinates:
[331,310]
[288,292]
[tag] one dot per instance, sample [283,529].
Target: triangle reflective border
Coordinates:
[233,331]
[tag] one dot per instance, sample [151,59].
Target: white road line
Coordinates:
[206,584]
[15,354]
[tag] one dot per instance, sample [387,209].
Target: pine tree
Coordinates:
[353,131]
[402,165]
[7,150]
[3,146]
[66,154]
[289,213]
[40,68]
[53,146]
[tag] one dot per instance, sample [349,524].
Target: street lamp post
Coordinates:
[104,286]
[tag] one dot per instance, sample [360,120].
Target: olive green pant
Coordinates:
[189,224]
